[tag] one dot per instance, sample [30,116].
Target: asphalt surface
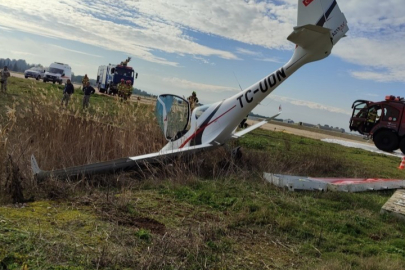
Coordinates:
[21,75]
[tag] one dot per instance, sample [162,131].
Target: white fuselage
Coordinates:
[217,124]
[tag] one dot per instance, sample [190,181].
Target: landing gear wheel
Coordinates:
[37,78]
[237,153]
[386,140]
[402,145]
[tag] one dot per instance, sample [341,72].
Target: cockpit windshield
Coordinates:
[172,113]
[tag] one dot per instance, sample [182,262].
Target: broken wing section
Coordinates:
[116,165]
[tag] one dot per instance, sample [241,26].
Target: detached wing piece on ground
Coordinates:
[320,25]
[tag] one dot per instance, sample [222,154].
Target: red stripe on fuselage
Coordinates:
[201,129]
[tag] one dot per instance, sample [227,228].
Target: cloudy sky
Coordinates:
[216,47]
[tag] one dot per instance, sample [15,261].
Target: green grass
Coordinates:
[103,107]
[321,159]
[206,214]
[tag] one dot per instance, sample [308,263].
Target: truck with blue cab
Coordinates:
[109,76]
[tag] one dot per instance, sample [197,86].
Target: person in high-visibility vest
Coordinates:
[84,81]
[121,88]
[372,115]
[129,89]
[193,100]
[371,119]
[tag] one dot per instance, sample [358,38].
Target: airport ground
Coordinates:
[273,125]
[211,212]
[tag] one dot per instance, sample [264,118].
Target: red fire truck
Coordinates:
[382,121]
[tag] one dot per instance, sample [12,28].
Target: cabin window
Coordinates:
[390,114]
[200,110]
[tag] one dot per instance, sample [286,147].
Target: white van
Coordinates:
[58,72]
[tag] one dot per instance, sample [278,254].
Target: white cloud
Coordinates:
[21,53]
[269,59]
[376,39]
[248,52]
[75,51]
[310,104]
[146,28]
[3,28]
[189,85]
[134,32]
[382,60]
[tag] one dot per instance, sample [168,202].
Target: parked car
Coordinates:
[34,72]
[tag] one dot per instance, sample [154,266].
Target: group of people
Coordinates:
[125,89]
[69,90]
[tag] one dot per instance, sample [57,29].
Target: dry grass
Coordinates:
[202,212]
[60,137]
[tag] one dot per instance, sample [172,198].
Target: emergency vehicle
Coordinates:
[58,73]
[108,77]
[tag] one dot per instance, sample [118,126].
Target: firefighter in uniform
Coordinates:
[129,90]
[84,81]
[125,63]
[372,115]
[371,119]
[3,78]
[193,100]
[121,88]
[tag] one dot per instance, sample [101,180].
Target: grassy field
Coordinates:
[210,212]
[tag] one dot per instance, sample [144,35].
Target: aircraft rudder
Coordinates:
[323,13]
[34,165]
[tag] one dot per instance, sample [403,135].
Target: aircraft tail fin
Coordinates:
[320,25]
[323,13]
[34,166]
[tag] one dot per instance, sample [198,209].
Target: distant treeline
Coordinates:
[139,92]
[21,65]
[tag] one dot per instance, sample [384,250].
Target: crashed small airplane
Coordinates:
[320,26]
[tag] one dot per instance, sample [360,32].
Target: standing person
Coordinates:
[3,78]
[84,81]
[121,88]
[193,100]
[67,92]
[129,90]
[88,90]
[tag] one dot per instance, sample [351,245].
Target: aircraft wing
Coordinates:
[171,153]
[116,165]
[257,125]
